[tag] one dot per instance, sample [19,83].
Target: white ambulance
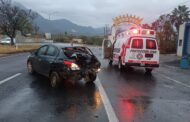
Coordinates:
[132,46]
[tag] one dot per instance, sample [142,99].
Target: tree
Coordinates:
[167,27]
[66,33]
[146,26]
[13,18]
[36,29]
[179,16]
[166,34]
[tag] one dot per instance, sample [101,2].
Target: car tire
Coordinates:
[148,70]
[120,66]
[30,67]
[54,79]
[90,78]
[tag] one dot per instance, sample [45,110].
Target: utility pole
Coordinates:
[106,29]
[49,14]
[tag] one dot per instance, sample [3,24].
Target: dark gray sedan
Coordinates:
[60,63]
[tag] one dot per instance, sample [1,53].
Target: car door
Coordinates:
[107,49]
[40,55]
[48,60]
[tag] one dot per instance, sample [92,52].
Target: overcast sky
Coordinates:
[97,13]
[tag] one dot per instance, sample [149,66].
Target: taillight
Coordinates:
[67,63]
[128,44]
[71,65]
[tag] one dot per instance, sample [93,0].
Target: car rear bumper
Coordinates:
[71,74]
[76,74]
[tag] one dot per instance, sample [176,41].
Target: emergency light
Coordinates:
[135,31]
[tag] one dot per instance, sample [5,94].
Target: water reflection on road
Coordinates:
[70,100]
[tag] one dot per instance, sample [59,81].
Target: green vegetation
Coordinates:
[14,18]
[7,49]
[65,38]
[92,40]
[167,28]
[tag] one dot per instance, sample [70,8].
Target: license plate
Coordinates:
[149,55]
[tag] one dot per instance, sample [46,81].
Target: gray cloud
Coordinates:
[100,12]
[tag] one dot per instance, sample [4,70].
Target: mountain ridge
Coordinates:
[60,26]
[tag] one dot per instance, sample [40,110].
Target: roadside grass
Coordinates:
[7,49]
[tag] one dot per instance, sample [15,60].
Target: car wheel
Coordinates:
[148,70]
[90,78]
[54,79]
[120,66]
[30,67]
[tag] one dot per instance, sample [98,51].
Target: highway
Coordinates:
[127,96]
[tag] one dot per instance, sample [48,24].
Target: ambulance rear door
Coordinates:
[107,49]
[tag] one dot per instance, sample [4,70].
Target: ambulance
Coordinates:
[129,45]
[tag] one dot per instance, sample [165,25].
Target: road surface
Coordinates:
[128,96]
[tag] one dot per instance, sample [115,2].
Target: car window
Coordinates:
[52,51]
[137,43]
[42,50]
[150,44]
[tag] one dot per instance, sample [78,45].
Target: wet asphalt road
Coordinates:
[163,96]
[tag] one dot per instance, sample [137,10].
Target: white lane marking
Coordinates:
[9,78]
[109,109]
[183,84]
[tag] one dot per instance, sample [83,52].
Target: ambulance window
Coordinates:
[137,43]
[150,44]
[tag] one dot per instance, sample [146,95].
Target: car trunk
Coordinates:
[82,56]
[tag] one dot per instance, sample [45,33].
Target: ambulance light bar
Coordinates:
[142,32]
[138,32]
[135,31]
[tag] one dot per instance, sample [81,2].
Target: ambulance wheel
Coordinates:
[148,70]
[120,66]
[110,62]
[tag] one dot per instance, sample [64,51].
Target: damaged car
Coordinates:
[59,63]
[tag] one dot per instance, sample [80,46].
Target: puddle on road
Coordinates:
[70,101]
[133,107]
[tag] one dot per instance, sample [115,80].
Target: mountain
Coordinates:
[63,25]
